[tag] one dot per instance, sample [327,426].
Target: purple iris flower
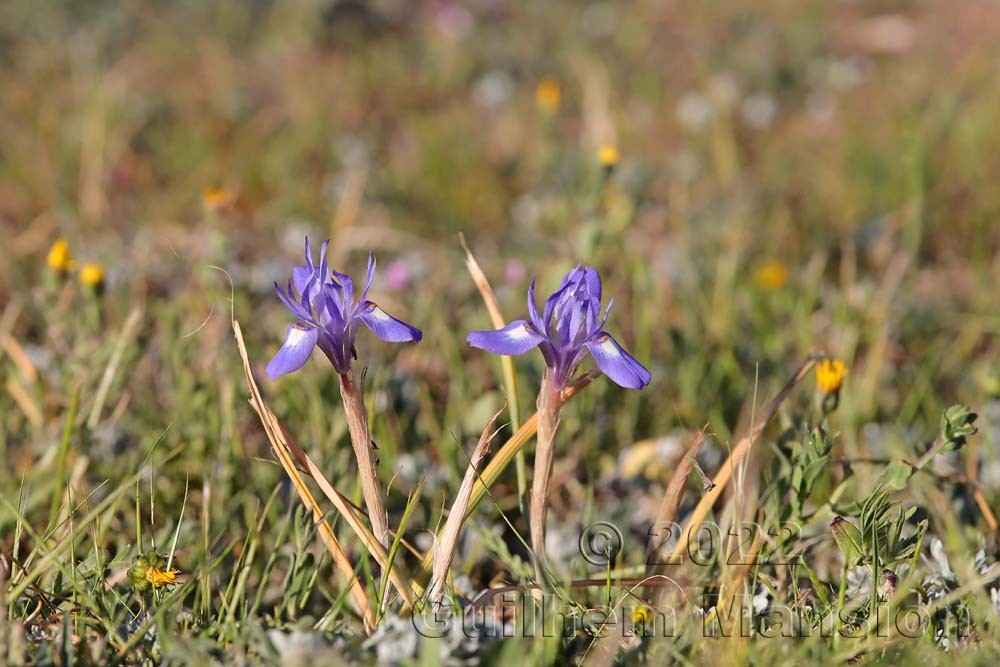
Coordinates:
[328,316]
[570,327]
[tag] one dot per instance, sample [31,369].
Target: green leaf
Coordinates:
[958,423]
[895,476]
[813,471]
[849,540]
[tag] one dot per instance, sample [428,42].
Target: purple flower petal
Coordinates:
[344,286]
[579,318]
[369,276]
[604,320]
[593,281]
[555,302]
[300,278]
[332,316]
[385,326]
[573,276]
[536,319]
[323,267]
[300,311]
[616,363]
[292,356]
[516,338]
[309,257]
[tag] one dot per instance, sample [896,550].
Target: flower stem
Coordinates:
[549,405]
[357,424]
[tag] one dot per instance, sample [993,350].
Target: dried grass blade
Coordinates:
[128,331]
[736,458]
[732,584]
[19,357]
[444,550]
[502,459]
[24,401]
[350,513]
[274,434]
[972,472]
[671,501]
[507,363]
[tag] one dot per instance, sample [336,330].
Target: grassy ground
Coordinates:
[793,180]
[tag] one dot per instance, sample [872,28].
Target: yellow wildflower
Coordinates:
[771,275]
[830,375]
[158,577]
[216,198]
[147,572]
[92,274]
[547,95]
[642,615]
[59,258]
[607,155]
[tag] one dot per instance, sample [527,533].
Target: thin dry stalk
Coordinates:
[734,583]
[503,457]
[735,459]
[348,209]
[128,332]
[509,374]
[351,515]
[19,357]
[274,434]
[972,472]
[357,425]
[549,406]
[672,497]
[671,501]
[444,550]
[24,401]
[483,285]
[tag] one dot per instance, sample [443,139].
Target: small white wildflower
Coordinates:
[761,600]
[940,557]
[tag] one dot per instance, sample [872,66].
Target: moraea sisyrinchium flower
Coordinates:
[328,316]
[570,327]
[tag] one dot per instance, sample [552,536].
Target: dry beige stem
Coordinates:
[735,459]
[608,648]
[19,357]
[357,425]
[509,373]
[347,211]
[444,550]
[483,285]
[24,401]
[972,472]
[128,332]
[549,405]
[503,457]
[351,515]
[275,435]
[671,501]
